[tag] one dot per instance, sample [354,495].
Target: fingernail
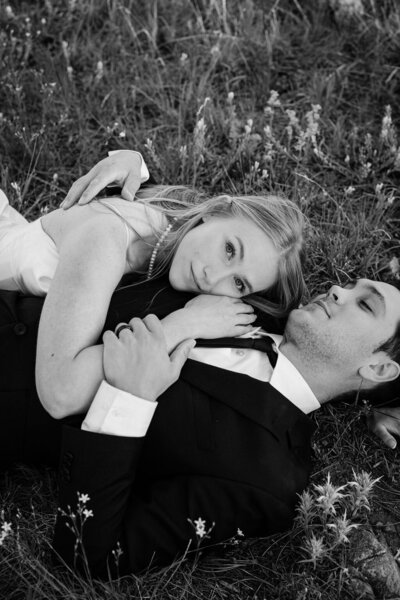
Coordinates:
[392,444]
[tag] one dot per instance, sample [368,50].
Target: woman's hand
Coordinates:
[122,168]
[208,317]
[213,317]
[385,422]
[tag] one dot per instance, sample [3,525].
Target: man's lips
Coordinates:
[324,307]
[195,279]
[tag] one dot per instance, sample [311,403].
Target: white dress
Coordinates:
[29,257]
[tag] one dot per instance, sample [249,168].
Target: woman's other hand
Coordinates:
[385,423]
[124,168]
[208,317]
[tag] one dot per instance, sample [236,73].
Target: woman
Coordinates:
[231,246]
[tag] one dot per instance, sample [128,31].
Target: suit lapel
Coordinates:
[254,399]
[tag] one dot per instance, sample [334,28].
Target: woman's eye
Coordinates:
[230,250]
[239,284]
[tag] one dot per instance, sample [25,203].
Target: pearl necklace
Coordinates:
[157,247]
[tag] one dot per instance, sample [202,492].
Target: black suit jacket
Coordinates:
[223,447]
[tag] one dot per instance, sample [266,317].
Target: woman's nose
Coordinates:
[212,277]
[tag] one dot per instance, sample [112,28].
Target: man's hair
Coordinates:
[392,345]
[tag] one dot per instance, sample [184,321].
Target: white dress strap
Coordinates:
[129,229]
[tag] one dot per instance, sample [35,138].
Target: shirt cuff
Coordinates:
[144,172]
[114,412]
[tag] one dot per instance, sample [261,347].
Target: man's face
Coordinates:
[344,327]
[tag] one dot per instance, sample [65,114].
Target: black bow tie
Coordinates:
[264,344]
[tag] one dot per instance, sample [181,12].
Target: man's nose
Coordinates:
[337,294]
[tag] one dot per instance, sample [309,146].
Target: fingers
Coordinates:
[131,186]
[109,339]
[74,192]
[382,432]
[246,319]
[241,329]
[98,183]
[179,356]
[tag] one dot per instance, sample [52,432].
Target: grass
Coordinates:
[241,96]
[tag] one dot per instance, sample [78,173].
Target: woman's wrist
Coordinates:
[179,326]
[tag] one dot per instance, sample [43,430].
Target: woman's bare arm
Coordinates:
[69,364]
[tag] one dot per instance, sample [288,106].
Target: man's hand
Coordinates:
[384,422]
[122,168]
[138,362]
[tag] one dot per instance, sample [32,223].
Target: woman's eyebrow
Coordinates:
[241,255]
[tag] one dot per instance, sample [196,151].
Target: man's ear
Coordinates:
[382,372]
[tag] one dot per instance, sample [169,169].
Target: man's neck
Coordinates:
[324,383]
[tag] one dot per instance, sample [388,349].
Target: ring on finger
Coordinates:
[120,327]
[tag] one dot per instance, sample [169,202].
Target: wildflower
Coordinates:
[248,127]
[347,8]
[329,496]
[87,513]
[6,529]
[83,498]
[387,125]
[305,509]
[9,12]
[273,99]
[230,97]
[200,527]
[183,58]
[342,526]
[215,50]
[315,548]
[349,190]
[394,266]
[199,135]
[99,71]
[240,532]
[122,134]
[361,489]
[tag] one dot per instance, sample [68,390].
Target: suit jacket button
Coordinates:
[20,329]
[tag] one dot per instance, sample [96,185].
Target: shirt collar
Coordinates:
[286,379]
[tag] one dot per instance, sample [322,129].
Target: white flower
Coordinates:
[6,527]
[83,498]
[200,527]
[87,513]
[240,532]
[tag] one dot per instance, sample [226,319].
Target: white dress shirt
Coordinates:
[115,412]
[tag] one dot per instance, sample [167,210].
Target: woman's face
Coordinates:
[226,256]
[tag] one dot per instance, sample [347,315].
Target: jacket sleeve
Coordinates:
[148,523]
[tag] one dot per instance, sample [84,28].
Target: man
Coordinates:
[222,447]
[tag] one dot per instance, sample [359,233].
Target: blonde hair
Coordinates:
[280,219]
